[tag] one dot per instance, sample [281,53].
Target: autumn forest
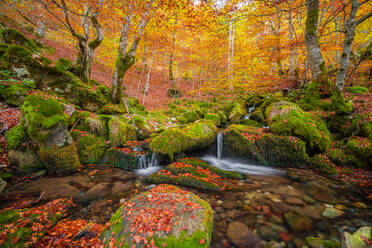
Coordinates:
[186,123]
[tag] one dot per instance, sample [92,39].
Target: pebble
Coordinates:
[332,213]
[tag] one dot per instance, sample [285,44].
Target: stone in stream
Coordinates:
[332,213]
[297,222]
[294,201]
[239,234]
[358,239]
[164,216]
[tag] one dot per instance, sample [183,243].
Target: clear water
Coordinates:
[146,167]
[241,167]
[219,145]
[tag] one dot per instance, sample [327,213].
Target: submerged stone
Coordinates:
[165,216]
[332,213]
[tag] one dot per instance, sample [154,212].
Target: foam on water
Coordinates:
[240,167]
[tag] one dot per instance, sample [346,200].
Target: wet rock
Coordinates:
[276,219]
[240,236]
[272,197]
[120,187]
[279,207]
[359,205]
[98,191]
[332,213]
[320,243]
[299,243]
[308,199]
[228,204]
[297,222]
[321,196]
[294,201]
[218,209]
[268,233]
[168,210]
[355,240]
[312,211]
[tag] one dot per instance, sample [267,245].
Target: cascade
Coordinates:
[219,145]
[250,110]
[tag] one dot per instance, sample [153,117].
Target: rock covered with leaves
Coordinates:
[164,216]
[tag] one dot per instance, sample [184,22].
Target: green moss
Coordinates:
[361,148]
[287,118]
[257,116]
[320,243]
[16,55]
[356,89]
[43,105]
[250,123]
[63,64]
[59,159]
[215,118]
[15,94]
[266,148]
[9,216]
[13,36]
[120,132]
[91,149]
[124,158]
[223,117]
[339,157]
[16,136]
[191,116]
[341,105]
[237,112]
[174,140]
[323,164]
[54,120]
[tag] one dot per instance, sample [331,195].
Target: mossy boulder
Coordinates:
[313,242]
[190,116]
[15,94]
[16,136]
[361,148]
[355,240]
[175,140]
[215,118]
[323,164]
[356,89]
[257,116]
[251,123]
[91,149]
[46,123]
[174,218]
[120,132]
[266,148]
[339,157]
[237,112]
[14,37]
[127,157]
[23,227]
[286,118]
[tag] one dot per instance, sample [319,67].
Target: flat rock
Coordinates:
[279,207]
[297,222]
[120,187]
[294,201]
[98,191]
[241,237]
[332,213]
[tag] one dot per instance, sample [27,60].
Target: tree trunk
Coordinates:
[171,76]
[145,67]
[347,47]
[40,31]
[314,54]
[93,44]
[82,59]
[147,84]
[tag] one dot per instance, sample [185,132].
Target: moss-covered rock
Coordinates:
[356,89]
[59,160]
[14,37]
[269,149]
[215,118]
[257,116]
[127,158]
[16,136]
[313,242]
[175,140]
[26,160]
[237,112]
[323,164]
[286,118]
[361,148]
[167,221]
[339,157]
[15,94]
[29,225]
[355,240]
[120,132]
[251,123]
[91,149]
[190,116]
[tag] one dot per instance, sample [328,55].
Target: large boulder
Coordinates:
[237,112]
[91,149]
[175,140]
[46,123]
[120,132]
[255,144]
[360,148]
[165,216]
[286,118]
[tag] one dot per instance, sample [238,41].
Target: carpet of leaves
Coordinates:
[8,119]
[46,215]
[159,210]
[73,233]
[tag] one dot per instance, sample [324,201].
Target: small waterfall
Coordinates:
[147,166]
[250,110]
[219,145]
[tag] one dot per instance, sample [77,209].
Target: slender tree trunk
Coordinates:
[147,84]
[314,54]
[347,47]
[144,70]
[171,59]
[92,46]
[291,38]
[40,31]
[82,59]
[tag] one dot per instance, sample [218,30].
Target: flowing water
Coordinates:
[146,166]
[219,145]
[250,110]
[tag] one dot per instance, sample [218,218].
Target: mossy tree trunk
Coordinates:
[350,26]
[126,59]
[314,54]
[171,59]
